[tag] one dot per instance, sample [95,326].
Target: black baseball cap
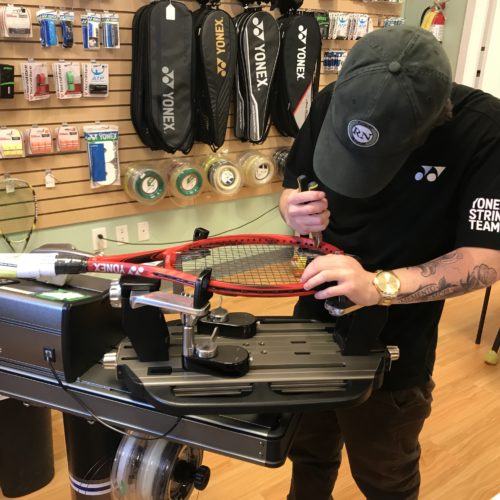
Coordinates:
[390,92]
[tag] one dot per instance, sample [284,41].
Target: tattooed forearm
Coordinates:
[480,277]
[430,268]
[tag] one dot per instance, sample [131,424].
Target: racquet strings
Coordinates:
[257,265]
[18,213]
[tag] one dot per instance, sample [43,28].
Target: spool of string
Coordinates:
[257,169]
[223,175]
[185,180]
[280,156]
[144,184]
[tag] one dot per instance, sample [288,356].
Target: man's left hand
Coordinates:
[352,280]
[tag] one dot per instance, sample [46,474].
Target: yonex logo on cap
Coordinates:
[429,173]
[258,31]
[168,78]
[362,134]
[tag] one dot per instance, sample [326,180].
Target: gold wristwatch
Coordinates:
[387,285]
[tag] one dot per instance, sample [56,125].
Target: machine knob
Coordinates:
[392,354]
[218,315]
[115,294]
[201,477]
[110,360]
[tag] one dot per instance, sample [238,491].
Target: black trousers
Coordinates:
[381,439]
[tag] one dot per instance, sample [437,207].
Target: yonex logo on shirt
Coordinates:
[429,173]
[485,215]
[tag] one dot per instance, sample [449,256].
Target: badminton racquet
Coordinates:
[259,265]
[18,212]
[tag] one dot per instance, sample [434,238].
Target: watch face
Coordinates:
[387,283]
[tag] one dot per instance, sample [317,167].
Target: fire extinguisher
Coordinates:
[433,19]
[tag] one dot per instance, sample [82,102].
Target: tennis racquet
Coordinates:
[258,265]
[18,212]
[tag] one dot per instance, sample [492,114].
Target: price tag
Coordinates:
[170,12]
[50,180]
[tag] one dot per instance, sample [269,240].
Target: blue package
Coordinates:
[48,30]
[97,162]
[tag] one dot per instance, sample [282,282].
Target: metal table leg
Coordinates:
[483,315]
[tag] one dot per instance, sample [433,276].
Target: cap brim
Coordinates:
[347,173]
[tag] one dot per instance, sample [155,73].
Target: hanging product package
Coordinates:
[47,19]
[216,53]
[67,138]
[38,140]
[110,27]
[163,76]
[95,79]
[6,81]
[91,30]
[258,39]
[102,148]
[35,78]
[15,22]
[297,76]
[67,21]
[68,79]
[11,143]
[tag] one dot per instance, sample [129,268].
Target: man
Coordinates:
[408,167]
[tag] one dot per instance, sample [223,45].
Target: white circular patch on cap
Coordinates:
[362,134]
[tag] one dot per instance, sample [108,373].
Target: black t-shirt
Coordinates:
[446,196]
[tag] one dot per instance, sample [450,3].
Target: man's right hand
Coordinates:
[305,212]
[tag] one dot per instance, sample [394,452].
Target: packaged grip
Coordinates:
[102,149]
[47,19]
[95,79]
[66,22]
[15,22]
[35,78]
[110,29]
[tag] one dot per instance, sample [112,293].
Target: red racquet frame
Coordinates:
[136,264]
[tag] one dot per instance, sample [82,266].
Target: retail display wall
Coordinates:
[70,199]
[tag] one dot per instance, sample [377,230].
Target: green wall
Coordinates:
[171,225]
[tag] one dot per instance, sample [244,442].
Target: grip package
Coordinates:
[216,52]
[258,40]
[163,73]
[297,76]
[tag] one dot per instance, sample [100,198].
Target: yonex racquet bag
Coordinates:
[216,52]
[258,42]
[163,76]
[137,109]
[297,76]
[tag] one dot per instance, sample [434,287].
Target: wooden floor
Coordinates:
[460,442]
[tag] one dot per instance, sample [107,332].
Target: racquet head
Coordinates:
[18,212]
[245,265]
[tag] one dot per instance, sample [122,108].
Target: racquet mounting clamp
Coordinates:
[227,360]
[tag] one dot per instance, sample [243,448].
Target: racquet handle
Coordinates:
[34,266]
[305,184]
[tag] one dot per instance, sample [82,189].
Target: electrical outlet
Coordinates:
[143,231]
[122,234]
[98,243]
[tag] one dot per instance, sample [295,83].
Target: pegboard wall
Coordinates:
[72,200]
